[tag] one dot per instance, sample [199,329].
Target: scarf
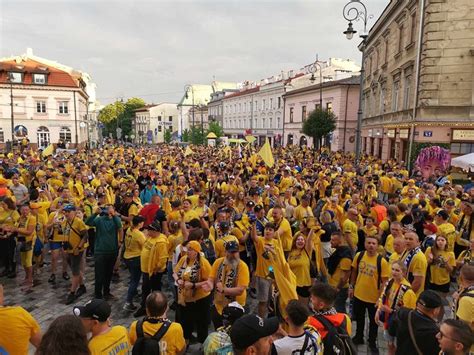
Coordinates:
[396,301]
[227,275]
[407,258]
[329,312]
[340,253]
[192,273]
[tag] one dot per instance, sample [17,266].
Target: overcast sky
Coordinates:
[151,49]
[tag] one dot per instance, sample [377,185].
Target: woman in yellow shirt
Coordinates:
[134,241]
[194,297]
[188,213]
[8,217]
[440,262]
[300,263]
[396,293]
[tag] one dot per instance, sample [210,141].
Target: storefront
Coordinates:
[462,141]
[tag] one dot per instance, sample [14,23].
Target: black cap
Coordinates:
[96,309]
[155,226]
[258,208]
[194,223]
[250,204]
[250,328]
[232,246]
[232,312]
[443,214]
[224,225]
[430,299]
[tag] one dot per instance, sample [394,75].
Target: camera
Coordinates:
[104,211]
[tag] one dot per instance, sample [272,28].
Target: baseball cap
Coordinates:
[232,246]
[430,299]
[250,204]
[69,208]
[155,226]
[443,214]
[248,329]
[431,227]
[224,225]
[96,309]
[232,312]
[194,245]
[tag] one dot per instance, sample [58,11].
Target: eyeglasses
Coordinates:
[442,335]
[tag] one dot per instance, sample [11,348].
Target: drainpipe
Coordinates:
[345,120]
[75,121]
[417,83]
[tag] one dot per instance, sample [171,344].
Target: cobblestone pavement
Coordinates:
[47,301]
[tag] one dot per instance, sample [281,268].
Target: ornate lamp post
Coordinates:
[312,69]
[355,10]
[187,89]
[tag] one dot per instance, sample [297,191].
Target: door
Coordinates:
[42,137]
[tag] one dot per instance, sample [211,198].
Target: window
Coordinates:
[317,106]
[256,106]
[406,96]
[16,77]
[2,136]
[396,86]
[303,113]
[400,38]
[291,114]
[40,106]
[329,107]
[462,148]
[271,104]
[278,122]
[160,128]
[382,101]
[270,122]
[65,134]
[413,27]
[63,107]
[170,118]
[159,118]
[386,51]
[264,123]
[39,79]
[264,104]
[279,102]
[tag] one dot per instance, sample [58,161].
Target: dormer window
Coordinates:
[39,79]
[15,77]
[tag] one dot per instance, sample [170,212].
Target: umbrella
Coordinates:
[465,162]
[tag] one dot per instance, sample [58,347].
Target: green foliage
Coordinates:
[319,124]
[215,128]
[167,136]
[197,135]
[185,135]
[119,114]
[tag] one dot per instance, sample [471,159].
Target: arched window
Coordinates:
[65,134]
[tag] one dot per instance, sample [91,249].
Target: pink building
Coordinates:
[340,96]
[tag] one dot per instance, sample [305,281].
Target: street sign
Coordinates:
[165,123]
[427,133]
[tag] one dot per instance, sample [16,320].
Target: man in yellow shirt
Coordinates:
[172,341]
[105,339]
[224,239]
[303,210]
[415,262]
[445,228]
[370,271]
[17,329]
[230,279]
[465,297]
[350,228]
[283,228]
[410,199]
[386,186]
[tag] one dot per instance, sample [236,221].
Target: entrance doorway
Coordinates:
[42,137]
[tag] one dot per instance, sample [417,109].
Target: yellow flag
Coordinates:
[49,150]
[188,151]
[250,139]
[253,160]
[266,154]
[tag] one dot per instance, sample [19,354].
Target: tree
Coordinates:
[120,114]
[215,128]
[319,124]
[197,135]
[185,135]
[167,136]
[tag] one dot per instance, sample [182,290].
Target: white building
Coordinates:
[152,121]
[50,102]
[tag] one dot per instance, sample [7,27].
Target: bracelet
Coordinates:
[194,286]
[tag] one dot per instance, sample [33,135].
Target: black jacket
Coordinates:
[424,329]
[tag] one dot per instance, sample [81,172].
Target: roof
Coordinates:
[241,93]
[353,80]
[200,94]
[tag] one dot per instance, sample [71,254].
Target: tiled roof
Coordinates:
[353,80]
[241,93]
[56,77]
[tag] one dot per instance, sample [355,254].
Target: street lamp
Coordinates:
[355,10]
[312,69]
[188,88]
[10,79]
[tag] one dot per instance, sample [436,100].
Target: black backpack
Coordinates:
[149,345]
[379,267]
[208,250]
[337,341]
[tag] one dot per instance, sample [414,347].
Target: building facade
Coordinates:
[216,107]
[151,122]
[50,102]
[340,96]
[419,79]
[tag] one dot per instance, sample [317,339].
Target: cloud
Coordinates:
[150,47]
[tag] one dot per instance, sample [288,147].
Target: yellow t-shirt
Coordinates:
[204,273]
[299,264]
[386,184]
[262,263]
[9,218]
[17,326]
[115,341]
[417,267]
[344,265]
[154,255]
[170,344]
[351,227]
[366,288]
[57,228]
[285,234]
[394,257]
[449,232]
[173,241]
[465,309]
[243,279]
[40,222]
[191,214]
[439,275]
[409,297]
[220,244]
[410,201]
[134,241]
[29,221]
[71,231]
[389,244]
[301,213]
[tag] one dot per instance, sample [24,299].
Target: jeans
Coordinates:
[340,302]
[169,269]
[150,283]
[359,308]
[133,265]
[104,268]
[196,315]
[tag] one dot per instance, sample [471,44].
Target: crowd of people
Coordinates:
[318,242]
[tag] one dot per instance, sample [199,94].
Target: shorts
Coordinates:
[26,258]
[55,245]
[303,291]
[263,288]
[440,288]
[74,262]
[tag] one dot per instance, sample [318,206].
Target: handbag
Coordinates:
[313,270]
[412,334]
[26,246]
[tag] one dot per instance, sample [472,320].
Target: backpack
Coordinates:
[208,250]
[337,341]
[379,266]
[149,345]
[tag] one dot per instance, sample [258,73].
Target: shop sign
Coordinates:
[427,133]
[391,133]
[463,135]
[404,133]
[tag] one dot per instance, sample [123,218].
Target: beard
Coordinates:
[233,262]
